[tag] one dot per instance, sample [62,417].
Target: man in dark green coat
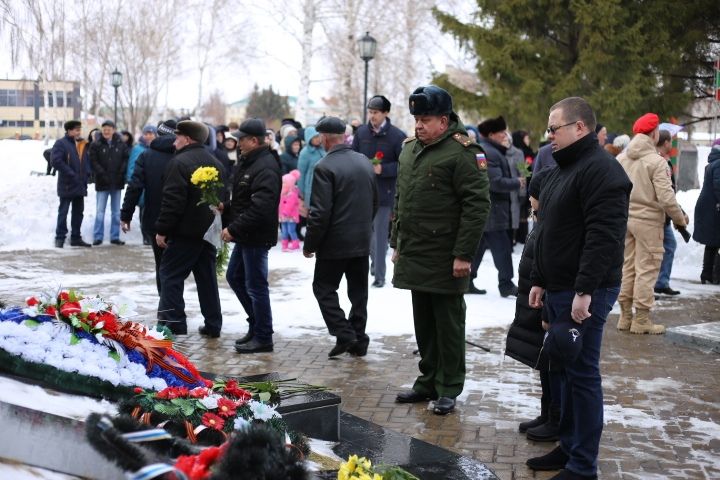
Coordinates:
[441,206]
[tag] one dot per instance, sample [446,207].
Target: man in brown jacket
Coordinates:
[652,197]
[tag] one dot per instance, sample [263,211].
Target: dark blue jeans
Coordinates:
[669,244]
[500,246]
[78,206]
[581,421]
[247,274]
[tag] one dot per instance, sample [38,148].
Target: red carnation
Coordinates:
[379,155]
[32,301]
[226,408]
[70,308]
[172,392]
[64,297]
[51,311]
[211,420]
[242,395]
[138,390]
[199,392]
[111,324]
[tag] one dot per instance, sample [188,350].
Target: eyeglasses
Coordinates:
[551,130]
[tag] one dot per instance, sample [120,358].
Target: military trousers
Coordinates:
[440,333]
[643,255]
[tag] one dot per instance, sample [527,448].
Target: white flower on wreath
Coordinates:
[123,307]
[210,402]
[155,333]
[241,424]
[93,304]
[262,411]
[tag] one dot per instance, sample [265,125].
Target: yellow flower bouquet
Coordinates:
[360,468]
[207,179]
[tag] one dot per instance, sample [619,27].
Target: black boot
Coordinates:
[554,460]
[524,426]
[708,264]
[548,431]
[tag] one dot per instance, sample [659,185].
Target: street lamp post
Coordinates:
[116,78]
[367,52]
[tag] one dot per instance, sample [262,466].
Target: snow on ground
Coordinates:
[15,471]
[29,210]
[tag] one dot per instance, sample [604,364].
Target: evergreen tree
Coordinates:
[625,58]
[268,105]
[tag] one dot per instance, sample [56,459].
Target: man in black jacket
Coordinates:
[578,266]
[109,158]
[147,179]
[181,226]
[343,204]
[251,221]
[502,182]
[381,142]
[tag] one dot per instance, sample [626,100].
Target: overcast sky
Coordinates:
[277,63]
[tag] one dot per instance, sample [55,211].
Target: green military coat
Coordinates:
[441,205]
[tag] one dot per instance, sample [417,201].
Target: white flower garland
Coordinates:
[47,344]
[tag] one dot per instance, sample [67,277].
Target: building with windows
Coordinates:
[36,108]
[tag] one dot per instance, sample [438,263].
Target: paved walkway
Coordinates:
[662,400]
[662,411]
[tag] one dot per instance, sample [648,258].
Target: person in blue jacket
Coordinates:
[309,156]
[69,158]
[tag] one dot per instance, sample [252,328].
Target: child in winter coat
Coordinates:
[289,211]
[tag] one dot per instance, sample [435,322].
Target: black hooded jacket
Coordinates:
[582,220]
[252,215]
[147,178]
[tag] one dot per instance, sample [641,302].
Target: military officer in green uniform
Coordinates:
[441,205]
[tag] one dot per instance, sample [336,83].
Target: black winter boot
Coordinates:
[554,460]
[548,431]
[524,426]
[706,276]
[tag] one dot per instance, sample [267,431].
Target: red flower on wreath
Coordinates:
[199,392]
[172,392]
[51,311]
[231,388]
[211,420]
[64,297]
[111,324]
[226,408]
[197,467]
[32,301]
[70,308]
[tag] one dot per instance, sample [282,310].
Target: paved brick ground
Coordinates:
[662,401]
[662,409]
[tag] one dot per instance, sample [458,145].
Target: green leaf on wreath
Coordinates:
[75,322]
[31,323]
[264,396]
[114,355]
[74,340]
[167,409]
[186,405]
